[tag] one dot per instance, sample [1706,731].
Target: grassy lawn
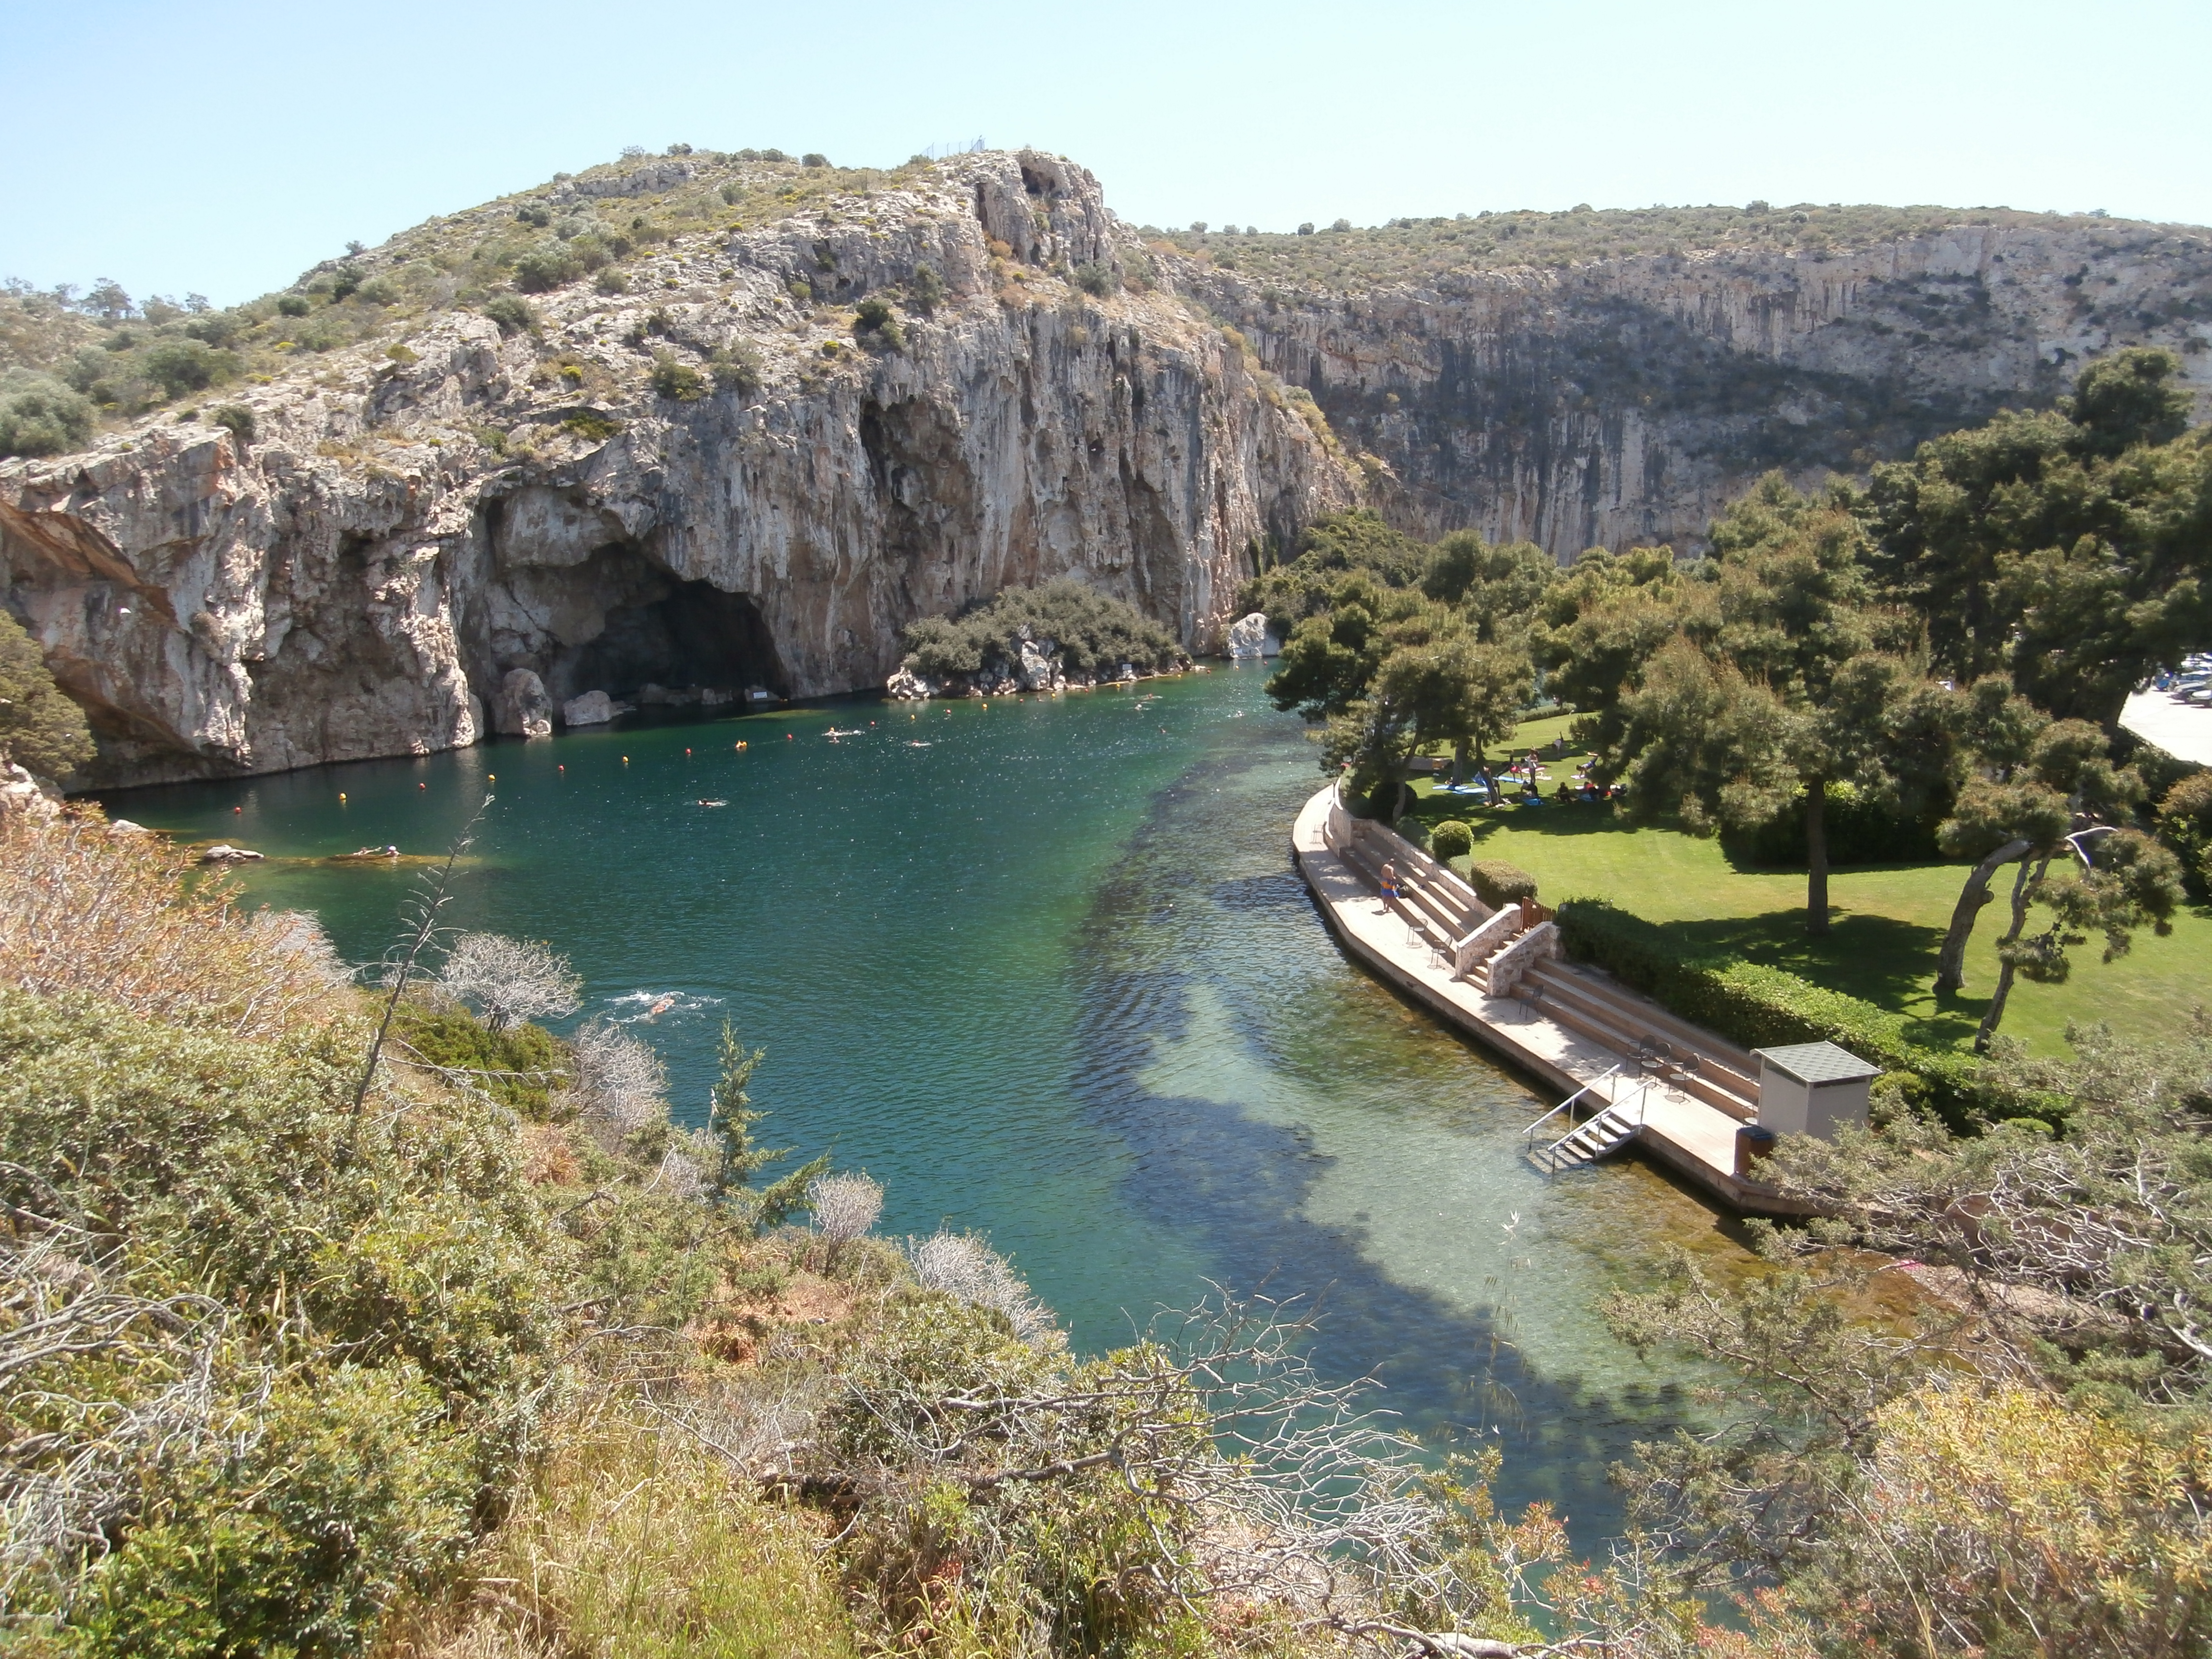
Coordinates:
[1887,925]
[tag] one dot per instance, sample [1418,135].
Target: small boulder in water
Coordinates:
[524,710]
[593,709]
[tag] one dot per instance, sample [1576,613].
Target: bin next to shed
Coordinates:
[1813,1088]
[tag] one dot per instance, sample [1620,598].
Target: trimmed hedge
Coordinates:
[1498,884]
[1760,1008]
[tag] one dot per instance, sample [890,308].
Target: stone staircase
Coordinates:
[1666,1050]
[1611,1129]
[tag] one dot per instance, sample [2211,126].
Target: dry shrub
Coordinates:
[845,1205]
[86,911]
[635,1540]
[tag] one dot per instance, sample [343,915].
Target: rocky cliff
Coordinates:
[711,466]
[707,481]
[1622,401]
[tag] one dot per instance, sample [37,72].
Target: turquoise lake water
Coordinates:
[1045,969]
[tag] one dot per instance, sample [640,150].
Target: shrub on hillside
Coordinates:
[1093,634]
[1498,884]
[545,267]
[41,730]
[1450,840]
[926,290]
[875,323]
[40,416]
[519,1067]
[513,313]
[677,381]
[737,369]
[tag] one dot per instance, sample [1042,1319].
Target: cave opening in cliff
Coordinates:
[693,635]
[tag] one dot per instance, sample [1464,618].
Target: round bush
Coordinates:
[1451,839]
[1498,884]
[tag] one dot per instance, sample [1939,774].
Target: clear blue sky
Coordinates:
[224,147]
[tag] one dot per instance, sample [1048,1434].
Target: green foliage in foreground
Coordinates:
[368,1312]
[1757,1006]
[1093,633]
[40,730]
[519,1067]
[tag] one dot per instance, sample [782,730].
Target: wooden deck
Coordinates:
[1571,1028]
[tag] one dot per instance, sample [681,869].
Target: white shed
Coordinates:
[1813,1088]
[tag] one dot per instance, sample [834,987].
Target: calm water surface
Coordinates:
[1044,968]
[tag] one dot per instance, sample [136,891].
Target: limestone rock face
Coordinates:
[1247,637]
[1624,401]
[524,710]
[403,538]
[366,576]
[22,795]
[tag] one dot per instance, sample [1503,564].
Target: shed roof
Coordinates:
[1818,1062]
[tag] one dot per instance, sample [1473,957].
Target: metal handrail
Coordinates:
[1529,1133]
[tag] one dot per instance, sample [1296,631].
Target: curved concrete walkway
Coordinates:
[1694,1139]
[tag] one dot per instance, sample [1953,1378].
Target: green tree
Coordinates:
[1602,616]
[1329,658]
[2032,781]
[2185,823]
[2126,881]
[731,1117]
[40,729]
[1500,585]
[1334,546]
[2071,547]
[1781,678]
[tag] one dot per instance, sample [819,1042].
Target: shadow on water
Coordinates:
[1230,978]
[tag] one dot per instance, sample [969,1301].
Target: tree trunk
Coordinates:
[1951,963]
[2023,889]
[1816,857]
